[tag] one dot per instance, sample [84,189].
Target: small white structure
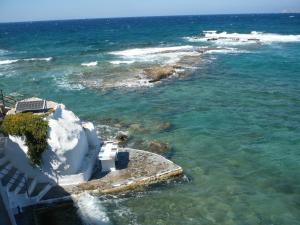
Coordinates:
[108,156]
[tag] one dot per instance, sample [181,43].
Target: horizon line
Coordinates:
[125,17]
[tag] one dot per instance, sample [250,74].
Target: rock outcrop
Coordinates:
[158,73]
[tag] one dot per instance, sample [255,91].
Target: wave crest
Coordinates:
[90,64]
[39,59]
[253,37]
[10,61]
[118,62]
[161,55]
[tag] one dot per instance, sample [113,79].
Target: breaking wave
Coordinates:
[10,61]
[91,211]
[225,51]
[39,59]
[116,62]
[162,55]
[90,64]
[133,83]
[238,38]
[66,84]
[128,83]
[147,51]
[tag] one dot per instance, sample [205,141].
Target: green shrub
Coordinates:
[33,127]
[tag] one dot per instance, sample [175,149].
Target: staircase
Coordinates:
[21,190]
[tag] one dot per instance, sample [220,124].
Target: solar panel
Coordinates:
[31,106]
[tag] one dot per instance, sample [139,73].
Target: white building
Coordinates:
[69,160]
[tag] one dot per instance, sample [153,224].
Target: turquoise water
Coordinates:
[234,114]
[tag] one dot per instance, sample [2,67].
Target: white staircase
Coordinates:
[21,190]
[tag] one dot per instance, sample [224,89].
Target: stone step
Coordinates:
[5,169]
[16,183]
[21,185]
[13,179]
[22,190]
[8,176]
[27,184]
[31,186]
[39,187]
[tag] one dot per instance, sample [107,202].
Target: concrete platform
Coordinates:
[135,168]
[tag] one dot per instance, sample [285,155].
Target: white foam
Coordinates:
[65,84]
[147,51]
[161,55]
[194,39]
[90,64]
[39,59]
[210,31]
[225,51]
[129,83]
[91,211]
[239,38]
[116,62]
[8,61]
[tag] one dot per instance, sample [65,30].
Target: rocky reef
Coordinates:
[158,73]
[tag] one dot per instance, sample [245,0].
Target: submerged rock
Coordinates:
[164,126]
[158,147]
[136,128]
[158,73]
[187,61]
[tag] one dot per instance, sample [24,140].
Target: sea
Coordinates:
[230,112]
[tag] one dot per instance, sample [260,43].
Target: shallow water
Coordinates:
[234,115]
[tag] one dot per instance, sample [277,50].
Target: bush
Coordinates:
[33,127]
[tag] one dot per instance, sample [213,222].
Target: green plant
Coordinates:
[33,127]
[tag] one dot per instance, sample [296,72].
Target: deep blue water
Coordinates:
[234,113]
